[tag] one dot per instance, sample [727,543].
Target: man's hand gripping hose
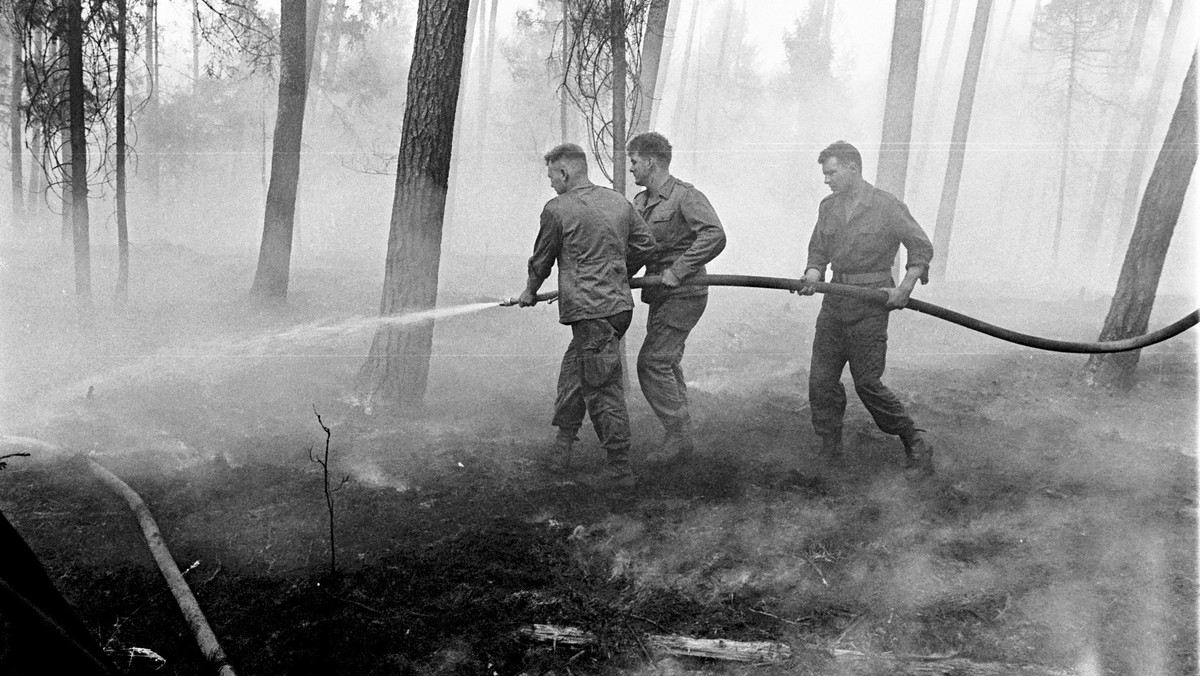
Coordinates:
[880,296]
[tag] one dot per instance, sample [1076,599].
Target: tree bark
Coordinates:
[312,37]
[275,253]
[15,128]
[397,370]
[620,67]
[1161,205]
[1137,164]
[935,94]
[195,44]
[958,139]
[122,290]
[79,177]
[564,103]
[652,49]
[901,92]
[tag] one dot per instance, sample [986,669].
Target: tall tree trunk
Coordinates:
[122,291]
[275,253]
[454,189]
[1161,206]
[1137,164]
[1102,186]
[485,88]
[664,63]
[1065,142]
[958,139]
[312,37]
[79,187]
[620,67]
[564,103]
[333,48]
[64,170]
[153,117]
[652,49]
[195,44]
[15,128]
[689,57]
[397,370]
[935,94]
[901,92]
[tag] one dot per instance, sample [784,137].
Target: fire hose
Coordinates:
[880,296]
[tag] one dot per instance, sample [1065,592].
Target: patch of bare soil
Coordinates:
[1059,530]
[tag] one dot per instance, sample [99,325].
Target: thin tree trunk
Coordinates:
[64,170]
[36,187]
[1137,164]
[15,128]
[153,118]
[901,92]
[564,118]
[1065,142]
[397,370]
[275,253]
[1161,206]
[312,37]
[620,67]
[688,58]
[1102,186]
[958,139]
[664,65]
[652,49]
[195,44]
[935,95]
[122,291]
[485,87]
[333,47]
[79,187]
[454,188]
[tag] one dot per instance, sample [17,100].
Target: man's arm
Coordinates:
[920,253]
[640,247]
[818,255]
[545,251]
[702,220]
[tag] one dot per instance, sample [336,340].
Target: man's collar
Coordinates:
[662,190]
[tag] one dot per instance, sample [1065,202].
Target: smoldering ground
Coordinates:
[1058,531]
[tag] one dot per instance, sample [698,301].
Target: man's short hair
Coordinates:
[568,152]
[651,144]
[844,152]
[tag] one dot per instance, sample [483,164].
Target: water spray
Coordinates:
[880,297]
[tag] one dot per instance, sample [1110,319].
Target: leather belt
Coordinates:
[862,278]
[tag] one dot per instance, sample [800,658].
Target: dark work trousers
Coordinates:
[658,365]
[848,334]
[590,382]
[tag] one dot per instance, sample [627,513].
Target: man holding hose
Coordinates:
[596,238]
[858,233]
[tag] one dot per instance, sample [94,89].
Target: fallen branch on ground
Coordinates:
[765,651]
[183,595]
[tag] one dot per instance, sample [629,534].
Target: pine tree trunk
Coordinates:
[312,35]
[652,49]
[195,44]
[454,187]
[931,114]
[1161,206]
[901,92]
[664,63]
[620,68]
[958,139]
[79,187]
[485,87]
[1137,164]
[689,57]
[333,48]
[1065,144]
[397,370]
[564,103]
[275,253]
[15,128]
[122,290]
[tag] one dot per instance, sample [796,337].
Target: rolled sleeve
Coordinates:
[545,249]
[704,223]
[916,242]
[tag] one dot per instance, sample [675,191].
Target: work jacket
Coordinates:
[688,233]
[596,237]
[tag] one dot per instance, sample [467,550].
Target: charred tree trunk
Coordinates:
[15,128]
[79,187]
[901,92]
[958,139]
[652,49]
[397,370]
[1137,164]
[1162,203]
[122,291]
[275,253]
[620,68]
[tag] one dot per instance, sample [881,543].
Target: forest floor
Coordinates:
[1059,531]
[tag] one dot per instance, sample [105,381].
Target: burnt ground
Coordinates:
[1060,529]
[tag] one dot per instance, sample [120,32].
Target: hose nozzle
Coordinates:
[508,302]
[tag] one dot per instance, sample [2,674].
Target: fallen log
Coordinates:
[767,652]
[709,648]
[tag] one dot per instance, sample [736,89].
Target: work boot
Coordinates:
[564,444]
[918,454]
[618,475]
[676,446]
[831,446]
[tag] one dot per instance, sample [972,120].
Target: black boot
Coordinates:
[918,453]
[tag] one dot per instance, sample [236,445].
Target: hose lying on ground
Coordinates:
[880,296]
[183,595]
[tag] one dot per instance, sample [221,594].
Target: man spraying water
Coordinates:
[595,236]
